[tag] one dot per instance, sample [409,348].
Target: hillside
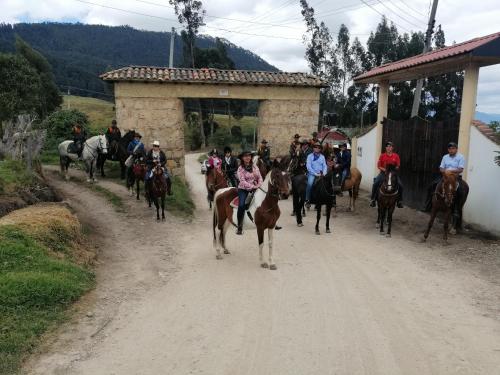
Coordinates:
[79,53]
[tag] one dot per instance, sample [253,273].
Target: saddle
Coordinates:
[235,202]
[72,148]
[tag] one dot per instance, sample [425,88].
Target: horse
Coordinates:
[136,175]
[214,180]
[444,199]
[351,185]
[157,187]
[299,186]
[323,193]
[118,152]
[387,199]
[91,149]
[261,165]
[262,214]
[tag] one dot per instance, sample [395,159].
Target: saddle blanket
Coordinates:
[72,149]
[236,201]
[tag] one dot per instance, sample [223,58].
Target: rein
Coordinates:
[95,149]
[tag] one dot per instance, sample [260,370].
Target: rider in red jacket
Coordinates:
[389,157]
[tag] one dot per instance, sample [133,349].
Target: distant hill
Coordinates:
[79,53]
[487,117]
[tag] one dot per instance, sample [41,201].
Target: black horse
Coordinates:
[299,186]
[323,193]
[117,152]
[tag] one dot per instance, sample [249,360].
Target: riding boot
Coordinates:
[240,222]
[374,193]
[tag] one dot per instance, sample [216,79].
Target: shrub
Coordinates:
[60,123]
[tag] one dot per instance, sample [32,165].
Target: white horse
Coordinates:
[91,149]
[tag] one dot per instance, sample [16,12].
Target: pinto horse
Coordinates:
[136,175]
[262,214]
[445,200]
[157,187]
[387,199]
[214,180]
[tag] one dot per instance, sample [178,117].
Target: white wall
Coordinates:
[366,157]
[483,176]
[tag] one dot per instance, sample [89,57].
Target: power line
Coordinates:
[411,8]
[398,15]
[404,11]
[382,14]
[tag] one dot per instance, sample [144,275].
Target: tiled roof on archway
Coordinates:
[212,76]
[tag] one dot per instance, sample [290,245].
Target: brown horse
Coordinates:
[262,214]
[351,185]
[135,176]
[387,198]
[157,187]
[214,180]
[444,199]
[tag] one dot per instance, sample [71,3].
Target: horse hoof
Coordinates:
[381,233]
[218,257]
[388,235]
[273,267]
[162,219]
[318,232]
[264,265]
[453,231]
[300,225]
[377,226]
[226,252]
[89,180]
[328,231]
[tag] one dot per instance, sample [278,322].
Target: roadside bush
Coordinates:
[59,125]
[13,176]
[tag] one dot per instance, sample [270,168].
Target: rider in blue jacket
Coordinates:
[316,166]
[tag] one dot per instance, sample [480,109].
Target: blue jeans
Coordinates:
[242,196]
[310,182]
[345,173]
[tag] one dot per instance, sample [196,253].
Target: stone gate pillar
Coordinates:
[159,119]
[279,120]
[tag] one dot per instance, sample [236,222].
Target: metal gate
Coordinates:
[420,145]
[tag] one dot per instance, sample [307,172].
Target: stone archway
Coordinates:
[149,100]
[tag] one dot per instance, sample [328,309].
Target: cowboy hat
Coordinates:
[156,143]
[296,136]
[244,153]
[227,149]
[264,141]
[389,143]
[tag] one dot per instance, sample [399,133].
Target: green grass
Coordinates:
[35,290]
[111,197]
[13,176]
[180,202]
[99,112]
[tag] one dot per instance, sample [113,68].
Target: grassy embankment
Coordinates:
[13,177]
[43,269]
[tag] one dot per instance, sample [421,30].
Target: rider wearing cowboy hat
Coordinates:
[264,153]
[155,156]
[249,180]
[389,157]
[294,145]
[230,166]
[344,161]
[316,167]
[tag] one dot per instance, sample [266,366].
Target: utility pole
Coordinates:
[171,55]
[69,98]
[427,47]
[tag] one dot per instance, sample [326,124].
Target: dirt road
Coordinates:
[350,302]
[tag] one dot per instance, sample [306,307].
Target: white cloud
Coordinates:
[461,20]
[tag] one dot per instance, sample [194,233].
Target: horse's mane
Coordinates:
[449,175]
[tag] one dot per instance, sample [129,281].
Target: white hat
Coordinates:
[156,143]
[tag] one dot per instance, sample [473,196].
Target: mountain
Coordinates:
[79,53]
[487,117]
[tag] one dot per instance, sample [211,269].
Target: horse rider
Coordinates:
[314,139]
[113,134]
[79,138]
[136,148]
[294,145]
[344,163]
[306,147]
[214,160]
[264,153]
[316,167]
[389,157]
[230,166]
[250,180]
[156,156]
[452,161]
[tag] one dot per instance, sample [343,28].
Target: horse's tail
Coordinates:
[215,221]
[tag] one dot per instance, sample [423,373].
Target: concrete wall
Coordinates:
[279,120]
[365,157]
[156,119]
[483,175]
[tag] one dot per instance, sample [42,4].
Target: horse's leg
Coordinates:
[137,187]
[377,225]
[389,221]
[260,236]
[157,206]
[431,222]
[122,170]
[297,209]
[446,224]
[328,212]
[163,207]
[318,218]
[270,234]
[382,219]
[223,232]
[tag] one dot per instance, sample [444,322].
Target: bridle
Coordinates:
[443,195]
[97,149]
[389,187]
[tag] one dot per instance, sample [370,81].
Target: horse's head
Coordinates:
[390,184]
[279,182]
[215,179]
[449,186]
[102,144]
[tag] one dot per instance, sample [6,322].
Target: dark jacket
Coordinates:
[344,160]
[293,148]
[149,159]
[231,167]
[265,154]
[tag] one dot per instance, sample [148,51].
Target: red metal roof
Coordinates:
[209,75]
[432,56]
[334,135]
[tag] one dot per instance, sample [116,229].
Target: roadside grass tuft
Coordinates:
[180,203]
[38,280]
[13,176]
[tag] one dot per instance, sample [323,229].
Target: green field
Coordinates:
[99,112]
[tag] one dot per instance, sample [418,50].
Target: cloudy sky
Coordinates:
[273,28]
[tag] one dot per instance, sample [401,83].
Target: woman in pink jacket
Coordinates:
[250,180]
